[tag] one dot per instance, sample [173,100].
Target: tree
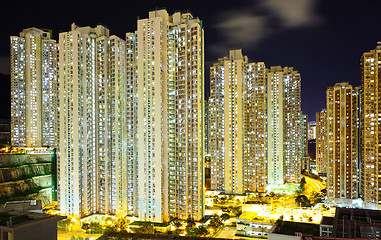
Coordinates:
[85,226]
[202,231]
[237,211]
[215,222]
[303,201]
[121,225]
[177,224]
[62,225]
[303,183]
[225,217]
[190,223]
[95,227]
[146,228]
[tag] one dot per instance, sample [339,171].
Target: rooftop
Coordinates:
[155,224]
[290,228]
[15,218]
[34,205]
[327,220]
[360,215]
[139,236]
[253,217]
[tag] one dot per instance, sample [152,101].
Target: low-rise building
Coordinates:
[27,205]
[348,223]
[161,227]
[21,225]
[252,225]
[326,226]
[285,230]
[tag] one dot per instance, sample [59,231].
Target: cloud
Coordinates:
[245,27]
[239,28]
[4,65]
[294,13]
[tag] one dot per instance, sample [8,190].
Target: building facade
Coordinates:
[170,115]
[91,159]
[321,153]
[305,139]
[217,126]
[342,143]
[229,75]
[34,89]
[370,132]
[311,130]
[255,146]
[284,139]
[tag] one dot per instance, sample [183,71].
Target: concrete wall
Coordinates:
[21,175]
[8,174]
[46,230]
[275,236]
[16,159]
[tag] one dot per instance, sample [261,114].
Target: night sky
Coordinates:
[323,40]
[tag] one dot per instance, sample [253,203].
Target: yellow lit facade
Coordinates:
[370,132]
[170,130]
[321,153]
[255,164]
[342,143]
[227,107]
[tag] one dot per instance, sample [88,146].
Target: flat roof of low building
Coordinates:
[253,217]
[141,236]
[364,215]
[232,194]
[24,205]
[327,220]
[290,228]
[15,218]
[155,224]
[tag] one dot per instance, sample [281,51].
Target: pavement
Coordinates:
[63,235]
[229,232]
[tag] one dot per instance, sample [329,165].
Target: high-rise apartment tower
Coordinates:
[92,159]
[284,141]
[227,110]
[370,128]
[34,89]
[169,92]
[342,143]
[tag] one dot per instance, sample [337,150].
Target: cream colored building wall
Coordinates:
[170,116]
[34,107]
[321,161]
[234,121]
[150,143]
[92,100]
[275,119]
[255,163]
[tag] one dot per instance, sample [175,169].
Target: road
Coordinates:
[313,185]
[229,232]
[62,235]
